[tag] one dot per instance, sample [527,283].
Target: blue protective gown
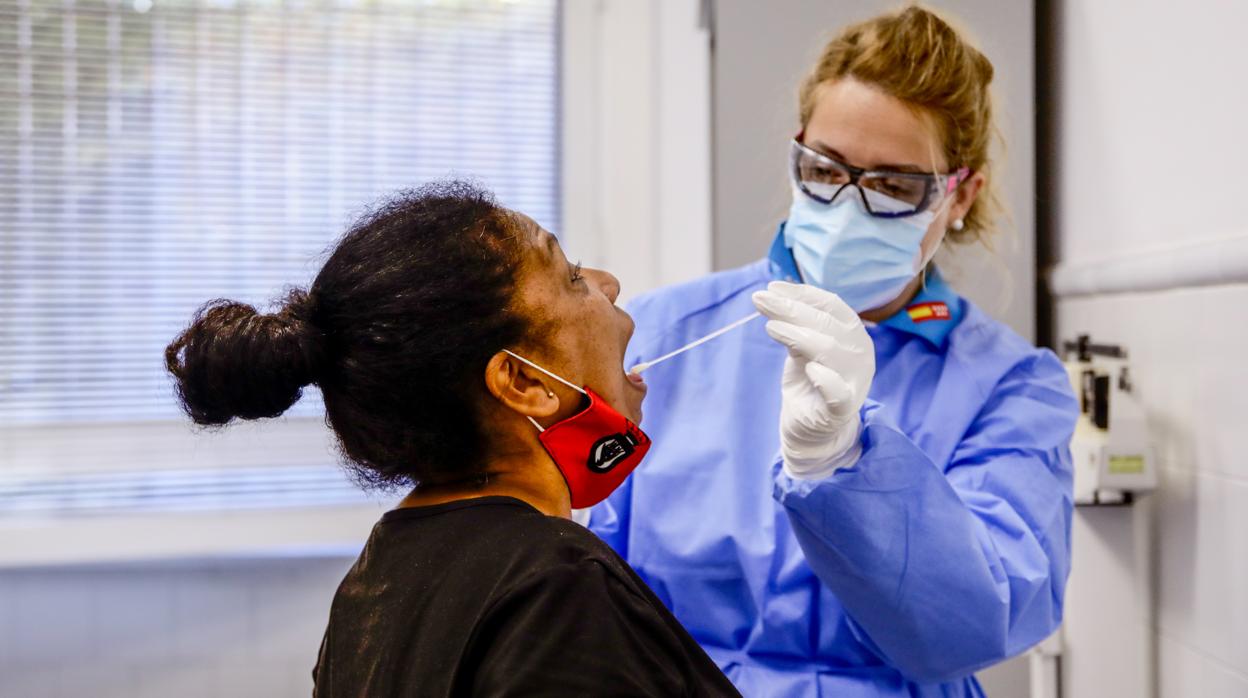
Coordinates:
[943,550]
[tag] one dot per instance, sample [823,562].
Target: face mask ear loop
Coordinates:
[533,365]
[944,205]
[516,356]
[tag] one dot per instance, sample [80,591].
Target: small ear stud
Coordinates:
[958,224]
[550,393]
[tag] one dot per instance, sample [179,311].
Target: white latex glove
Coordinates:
[826,376]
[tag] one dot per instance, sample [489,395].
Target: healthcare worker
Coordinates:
[868,493]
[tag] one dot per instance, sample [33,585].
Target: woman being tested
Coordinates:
[459,352]
[840,510]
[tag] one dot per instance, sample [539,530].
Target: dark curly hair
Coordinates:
[396,330]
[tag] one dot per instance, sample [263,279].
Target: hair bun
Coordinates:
[235,362]
[299,312]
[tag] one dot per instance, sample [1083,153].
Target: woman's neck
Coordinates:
[529,476]
[907,295]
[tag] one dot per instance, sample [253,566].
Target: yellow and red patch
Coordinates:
[923,312]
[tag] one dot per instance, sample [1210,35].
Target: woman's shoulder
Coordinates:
[995,351]
[576,603]
[501,522]
[556,543]
[494,537]
[535,549]
[980,331]
[512,530]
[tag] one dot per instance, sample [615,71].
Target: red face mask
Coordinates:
[595,449]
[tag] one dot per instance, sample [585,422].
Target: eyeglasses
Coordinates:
[884,194]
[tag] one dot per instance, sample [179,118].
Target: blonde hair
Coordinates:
[915,56]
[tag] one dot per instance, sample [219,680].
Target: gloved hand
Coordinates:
[826,376]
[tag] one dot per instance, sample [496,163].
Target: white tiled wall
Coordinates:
[1150,94]
[188,629]
[1186,358]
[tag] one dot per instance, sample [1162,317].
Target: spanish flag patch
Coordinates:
[922,312]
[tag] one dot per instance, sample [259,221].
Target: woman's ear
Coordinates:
[519,387]
[964,195]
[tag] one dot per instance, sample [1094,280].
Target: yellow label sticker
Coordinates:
[1126,465]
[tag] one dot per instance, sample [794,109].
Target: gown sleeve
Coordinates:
[577,630]
[944,571]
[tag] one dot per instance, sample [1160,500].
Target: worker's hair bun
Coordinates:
[234,362]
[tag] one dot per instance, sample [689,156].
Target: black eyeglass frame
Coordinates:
[933,182]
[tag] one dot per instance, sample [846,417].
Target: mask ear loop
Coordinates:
[578,389]
[954,182]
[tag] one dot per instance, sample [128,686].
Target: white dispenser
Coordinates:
[1111,449]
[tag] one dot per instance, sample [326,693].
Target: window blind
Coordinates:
[155,154]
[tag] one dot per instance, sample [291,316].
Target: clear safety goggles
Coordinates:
[884,194]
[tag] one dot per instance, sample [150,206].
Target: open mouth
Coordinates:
[635,380]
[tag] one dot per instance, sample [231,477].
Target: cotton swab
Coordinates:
[636,370]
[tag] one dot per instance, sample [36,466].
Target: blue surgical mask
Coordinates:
[865,260]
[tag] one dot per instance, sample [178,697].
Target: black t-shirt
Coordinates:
[489,597]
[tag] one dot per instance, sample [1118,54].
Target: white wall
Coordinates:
[189,629]
[636,139]
[1151,155]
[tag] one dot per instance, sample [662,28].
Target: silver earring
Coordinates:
[550,393]
[958,224]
